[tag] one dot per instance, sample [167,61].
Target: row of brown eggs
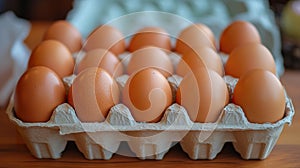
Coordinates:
[147,93]
[258,90]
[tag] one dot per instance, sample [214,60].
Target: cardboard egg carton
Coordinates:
[151,140]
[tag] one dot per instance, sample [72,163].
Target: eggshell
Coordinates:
[194,36]
[220,97]
[54,55]
[211,59]
[150,57]
[204,94]
[106,37]
[236,34]
[147,94]
[103,59]
[208,32]
[193,95]
[38,92]
[93,93]
[66,33]
[261,96]
[150,36]
[70,97]
[247,57]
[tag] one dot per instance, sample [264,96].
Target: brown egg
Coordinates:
[150,36]
[150,57]
[70,97]
[203,94]
[220,97]
[194,36]
[247,57]
[103,59]
[208,32]
[236,34]
[106,37]
[54,55]
[93,93]
[147,94]
[211,59]
[66,33]
[38,92]
[261,96]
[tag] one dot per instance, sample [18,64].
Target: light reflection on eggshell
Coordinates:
[220,98]
[94,92]
[150,57]
[237,34]
[195,94]
[150,36]
[248,57]
[54,55]
[202,92]
[103,59]
[106,37]
[38,92]
[208,32]
[193,36]
[66,33]
[147,94]
[261,96]
[211,59]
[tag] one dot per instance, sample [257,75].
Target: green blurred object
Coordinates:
[290,32]
[290,20]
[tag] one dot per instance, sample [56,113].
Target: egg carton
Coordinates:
[151,140]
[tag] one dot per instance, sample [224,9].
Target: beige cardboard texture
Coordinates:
[151,140]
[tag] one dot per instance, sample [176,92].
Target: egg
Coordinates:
[147,94]
[70,96]
[261,96]
[150,57]
[93,93]
[236,34]
[103,59]
[203,94]
[54,55]
[106,37]
[38,92]
[150,36]
[208,32]
[66,33]
[194,36]
[211,59]
[247,57]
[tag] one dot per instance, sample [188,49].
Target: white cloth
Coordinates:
[14,53]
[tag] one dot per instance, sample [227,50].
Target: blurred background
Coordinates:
[49,10]
[36,9]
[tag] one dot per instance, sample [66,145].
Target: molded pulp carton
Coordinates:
[151,140]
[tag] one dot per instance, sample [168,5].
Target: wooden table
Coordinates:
[13,152]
